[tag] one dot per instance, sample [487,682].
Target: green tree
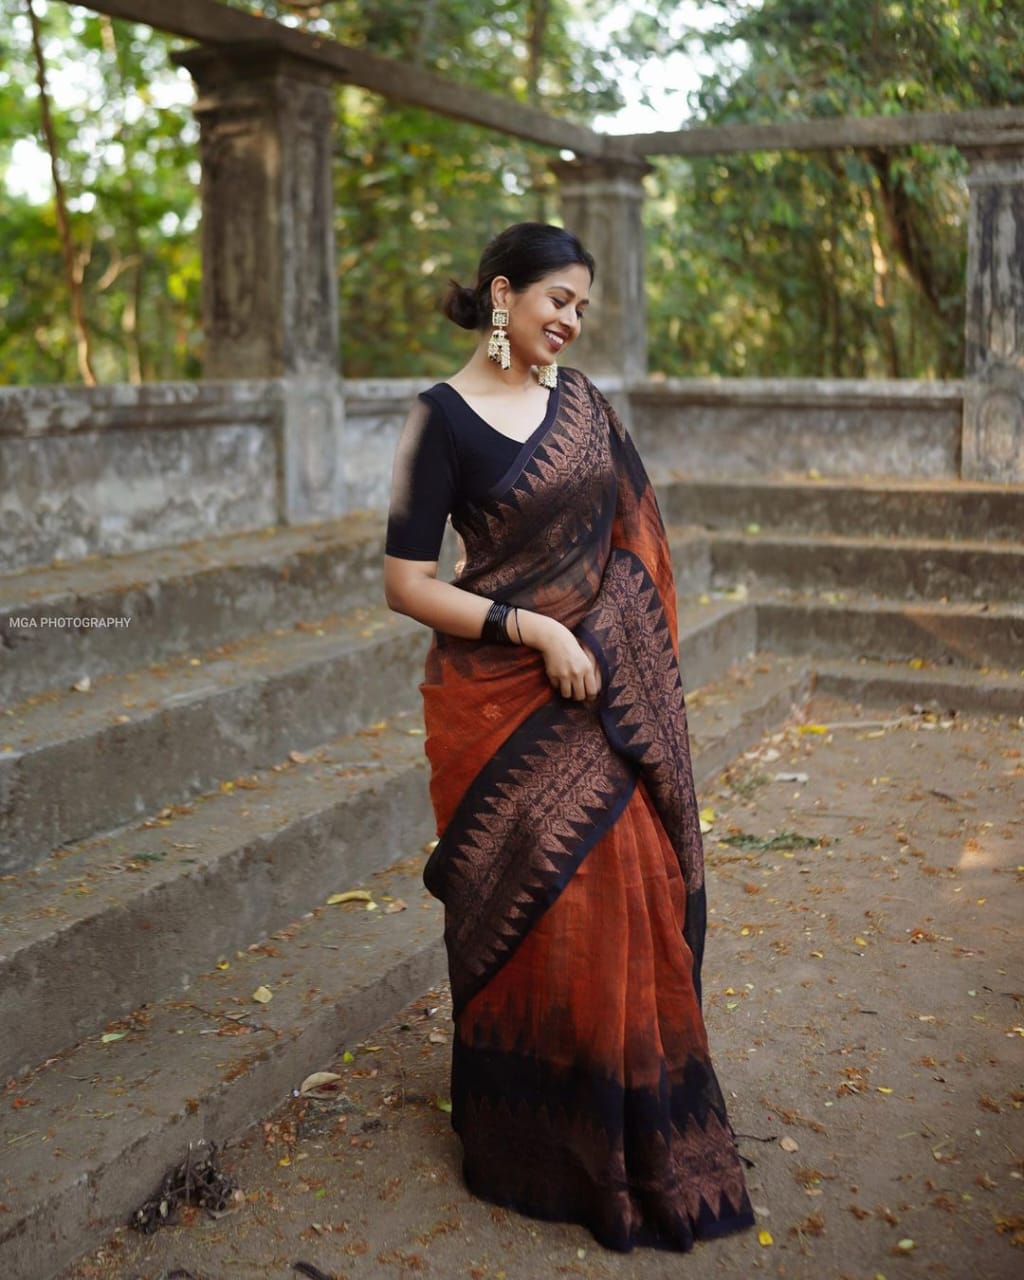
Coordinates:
[847,263]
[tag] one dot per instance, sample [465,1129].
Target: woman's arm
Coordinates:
[413,588]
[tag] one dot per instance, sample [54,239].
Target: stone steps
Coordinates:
[900,568]
[136,914]
[868,508]
[72,764]
[100,1123]
[935,689]
[182,599]
[957,636]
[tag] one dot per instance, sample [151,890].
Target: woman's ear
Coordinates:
[501,291]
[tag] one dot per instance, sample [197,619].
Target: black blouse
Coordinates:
[449,460]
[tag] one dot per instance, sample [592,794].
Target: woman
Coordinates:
[570,860]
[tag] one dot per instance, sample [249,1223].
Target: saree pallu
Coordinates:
[570,861]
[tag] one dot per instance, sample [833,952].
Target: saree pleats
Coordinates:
[582,1088]
[571,867]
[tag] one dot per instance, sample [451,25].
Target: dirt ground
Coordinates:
[863,993]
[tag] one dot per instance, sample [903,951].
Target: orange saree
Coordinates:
[570,862]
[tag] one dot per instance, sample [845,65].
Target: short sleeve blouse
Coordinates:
[448,460]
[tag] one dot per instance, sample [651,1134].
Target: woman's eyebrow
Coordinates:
[570,291]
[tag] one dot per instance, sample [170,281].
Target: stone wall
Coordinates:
[101,471]
[784,426]
[104,471]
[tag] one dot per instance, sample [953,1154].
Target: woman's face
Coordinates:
[545,317]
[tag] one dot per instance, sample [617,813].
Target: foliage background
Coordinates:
[845,264]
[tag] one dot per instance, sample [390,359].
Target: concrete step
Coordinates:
[112,921]
[901,568]
[93,1129]
[183,599]
[72,764]
[955,635]
[731,714]
[691,559]
[934,689]
[869,508]
[135,915]
[91,1133]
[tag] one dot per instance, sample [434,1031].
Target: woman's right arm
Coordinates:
[413,588]
[423,489]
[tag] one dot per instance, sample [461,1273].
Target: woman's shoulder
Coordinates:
[587,387]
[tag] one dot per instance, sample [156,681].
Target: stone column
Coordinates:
[993,426]
[602,202]
[270,303]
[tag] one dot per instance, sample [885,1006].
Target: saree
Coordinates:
[570,861]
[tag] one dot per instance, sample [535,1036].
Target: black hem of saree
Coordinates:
[700,1233]
[572,1109]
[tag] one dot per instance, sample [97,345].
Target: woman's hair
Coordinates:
[524,253]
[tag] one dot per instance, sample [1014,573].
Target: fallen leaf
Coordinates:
[263,995]
[351,895]
[765,1238]
[111,1036]
[812,728]
[443,1104]
[319,1084]
[298,757]
[789,1144]
[392,907]
[82,686]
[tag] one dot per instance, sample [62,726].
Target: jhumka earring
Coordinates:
[498,348]
[547,375]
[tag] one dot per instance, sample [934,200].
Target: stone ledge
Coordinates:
[801,392]
[67,410]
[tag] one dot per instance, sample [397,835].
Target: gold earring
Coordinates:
[498,348]
[547,375]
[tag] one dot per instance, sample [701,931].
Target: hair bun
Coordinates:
[461,306]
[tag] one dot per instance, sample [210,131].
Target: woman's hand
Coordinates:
[570,666]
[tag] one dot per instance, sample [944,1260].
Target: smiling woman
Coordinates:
[570,862]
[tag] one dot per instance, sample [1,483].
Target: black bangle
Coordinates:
[495,628]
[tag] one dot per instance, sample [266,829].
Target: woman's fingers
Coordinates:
[575,674]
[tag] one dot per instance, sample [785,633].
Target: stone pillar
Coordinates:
[993,426]
[602,202]
[270,301]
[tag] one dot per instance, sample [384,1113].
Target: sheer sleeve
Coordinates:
[423,485]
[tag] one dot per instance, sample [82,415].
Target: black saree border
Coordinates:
[522,829]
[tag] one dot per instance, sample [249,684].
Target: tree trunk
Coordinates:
[71,272]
